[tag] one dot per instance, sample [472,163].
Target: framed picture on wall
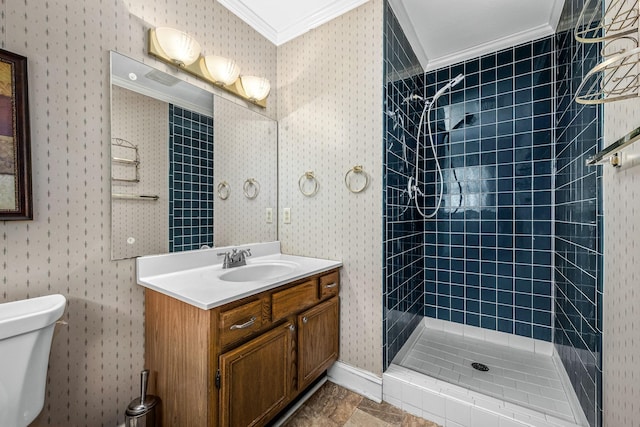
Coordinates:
[15,145]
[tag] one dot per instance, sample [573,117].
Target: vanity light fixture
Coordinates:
[223,71]
[179,46]
[256,88]
[179,49]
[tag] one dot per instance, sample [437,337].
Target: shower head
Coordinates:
[456,80]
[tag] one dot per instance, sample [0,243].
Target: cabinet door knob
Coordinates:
[305,320]
[244,325]
[292,328]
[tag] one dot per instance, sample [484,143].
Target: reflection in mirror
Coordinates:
[246,149]
[172,144]
[139,167]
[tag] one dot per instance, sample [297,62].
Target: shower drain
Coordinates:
[480,366]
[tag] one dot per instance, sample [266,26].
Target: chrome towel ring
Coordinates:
[308,176]
[224,190]
[356,170]
[251,188]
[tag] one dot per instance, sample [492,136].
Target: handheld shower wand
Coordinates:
[456,80]
[414,189]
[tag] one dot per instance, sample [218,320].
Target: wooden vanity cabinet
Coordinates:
[317,340]
[241,363]
[256,378]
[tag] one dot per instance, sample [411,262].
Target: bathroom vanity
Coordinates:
[222,360]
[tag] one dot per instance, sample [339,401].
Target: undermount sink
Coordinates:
[261,271]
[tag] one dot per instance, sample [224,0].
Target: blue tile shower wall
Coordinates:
[578,231]
[190,179]
[403,291]
[509,227]
[488,250]
[487,255]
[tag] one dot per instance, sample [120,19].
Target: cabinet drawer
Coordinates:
[240,322]
[329,285]
[294,299]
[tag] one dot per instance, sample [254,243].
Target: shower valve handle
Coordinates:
[413,190]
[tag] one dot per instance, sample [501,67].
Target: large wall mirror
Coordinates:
[188,168]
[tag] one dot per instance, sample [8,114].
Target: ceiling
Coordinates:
[446,32]
[440,32]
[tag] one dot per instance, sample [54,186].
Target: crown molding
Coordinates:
[432,62]
[322,16]
[409,32]
[490,47]
[242,11]
[280,36]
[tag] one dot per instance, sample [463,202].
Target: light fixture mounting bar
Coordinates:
[197,69]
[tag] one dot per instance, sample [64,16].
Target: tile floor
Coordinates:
[522,377]
[335,406]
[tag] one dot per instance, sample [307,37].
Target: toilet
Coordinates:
[26,332]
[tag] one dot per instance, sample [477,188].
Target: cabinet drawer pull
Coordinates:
[331,285]
[305,320]
[244,325]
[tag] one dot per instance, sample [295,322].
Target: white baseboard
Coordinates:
[357,380]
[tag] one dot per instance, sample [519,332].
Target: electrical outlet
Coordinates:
[269,215]
[286,215]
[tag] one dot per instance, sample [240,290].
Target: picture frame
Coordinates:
[15,143]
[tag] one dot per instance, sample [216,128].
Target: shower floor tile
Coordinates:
[518,376]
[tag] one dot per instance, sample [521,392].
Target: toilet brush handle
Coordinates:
[144,379]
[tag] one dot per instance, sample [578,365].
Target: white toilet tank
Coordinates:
[26,331]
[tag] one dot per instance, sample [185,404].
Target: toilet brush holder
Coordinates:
[143,411]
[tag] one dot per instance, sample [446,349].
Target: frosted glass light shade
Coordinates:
[179,46]
[256,88]
[222,70]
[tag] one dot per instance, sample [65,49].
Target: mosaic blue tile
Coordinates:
[190,176]
[487,255]
[472,319]
[405,300]
[574,233]
[542,333]
[457,316]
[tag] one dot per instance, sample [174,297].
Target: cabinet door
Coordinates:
[318,340]
[255,378]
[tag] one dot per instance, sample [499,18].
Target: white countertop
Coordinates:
[194,276]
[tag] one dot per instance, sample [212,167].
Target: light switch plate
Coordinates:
[286,215]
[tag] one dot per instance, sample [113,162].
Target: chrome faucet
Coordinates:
[236,258]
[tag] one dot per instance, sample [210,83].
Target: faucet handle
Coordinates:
[225,262]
